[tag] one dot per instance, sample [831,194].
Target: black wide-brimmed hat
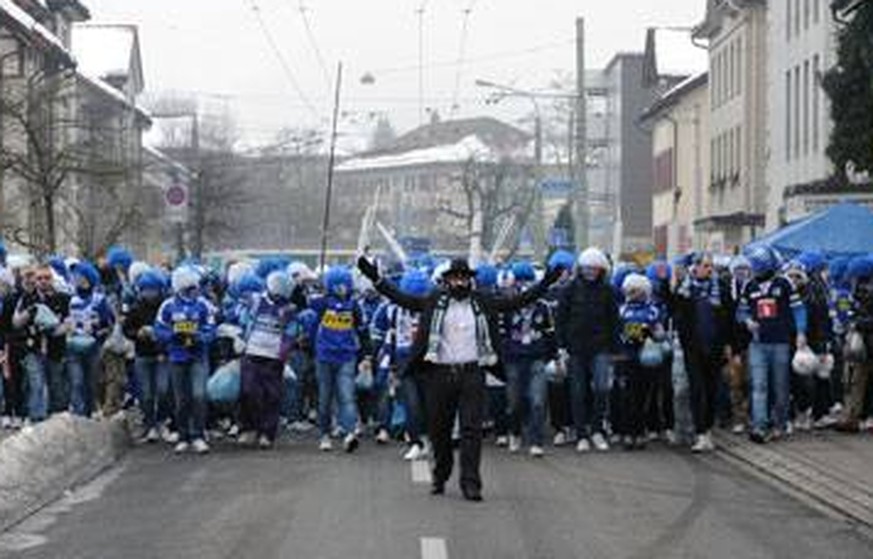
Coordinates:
[459,267]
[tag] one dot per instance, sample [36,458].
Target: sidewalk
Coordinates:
[831,468]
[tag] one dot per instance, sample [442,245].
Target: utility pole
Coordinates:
[582,212]
[325,224]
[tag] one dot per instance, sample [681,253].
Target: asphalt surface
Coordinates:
[296,502]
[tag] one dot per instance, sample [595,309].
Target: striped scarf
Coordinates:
[486,352]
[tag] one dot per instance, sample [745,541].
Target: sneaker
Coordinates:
[152,436]
[825,422]
[757,436]
[502,440]
[415,452]
[170,437]
[583,446]
[600,444]
[560,438]
[654,436]
[200,446]
[350,443]
[536,451]
[17,423]
[703,443]
[382,437]
[867,425]
[247,438]
[5,422]
[738,429]
[233,431]
[325,444]
[264,442]
[301,426]
[514,443]
[804,421]
[628,442]
[181,447]
[670,437]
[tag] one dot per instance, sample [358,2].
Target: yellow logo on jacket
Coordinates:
[338,320]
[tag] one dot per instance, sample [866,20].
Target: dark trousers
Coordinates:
[660,405]
[633,389]
[704,369]
[452,391]
[559,404]
[261,395]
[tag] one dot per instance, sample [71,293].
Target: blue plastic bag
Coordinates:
[224,385]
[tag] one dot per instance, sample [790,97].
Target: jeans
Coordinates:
[589,392]
[34,366]
[770,371]
[411,391]
[336,380]
[83,370]
[189,385]
[153,378]
[526,398]
[58,385]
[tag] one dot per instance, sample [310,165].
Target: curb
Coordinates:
[40,463]
[846,497]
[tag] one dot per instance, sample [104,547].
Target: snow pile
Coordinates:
[39,463]
[470,147]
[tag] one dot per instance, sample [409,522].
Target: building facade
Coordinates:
[736,196]
[679,121]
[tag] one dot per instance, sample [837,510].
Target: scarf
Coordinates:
[487,354]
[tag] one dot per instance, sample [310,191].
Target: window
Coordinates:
[797,18]
[664,171]
[739,140]
[806,107]
[739,65]
[788,20]
[788,115]
[816,100]
[806,14]
[796,112]
[816,11]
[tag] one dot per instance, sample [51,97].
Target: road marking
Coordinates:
[421,471]
[434,548]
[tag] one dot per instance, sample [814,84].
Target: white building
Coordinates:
[736,197]
[802,46]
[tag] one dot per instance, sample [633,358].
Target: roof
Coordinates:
[463,150]
[674,95]
[35,30]
[490,131]
[107,51]
[75,6]
[112,93]
[166,159]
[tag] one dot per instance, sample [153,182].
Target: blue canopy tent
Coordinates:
[843,230]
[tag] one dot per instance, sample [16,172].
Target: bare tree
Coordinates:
[493,196]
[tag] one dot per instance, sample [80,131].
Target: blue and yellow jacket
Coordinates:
[185,327]
[342,333]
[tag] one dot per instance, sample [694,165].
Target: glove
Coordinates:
[553,275]
[368,269]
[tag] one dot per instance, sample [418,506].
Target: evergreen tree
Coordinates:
[850,87]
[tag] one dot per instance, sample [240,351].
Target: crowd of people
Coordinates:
[765,344]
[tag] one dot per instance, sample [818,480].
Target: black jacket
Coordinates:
[142,313]
[492,306]
[587,318]
[28,338]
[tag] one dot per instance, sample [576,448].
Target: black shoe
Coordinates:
[472,495]
[437,488]
[757,437]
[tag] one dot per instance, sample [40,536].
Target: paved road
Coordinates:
[296,502]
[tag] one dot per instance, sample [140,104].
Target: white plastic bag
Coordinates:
[651,354]
[805,363]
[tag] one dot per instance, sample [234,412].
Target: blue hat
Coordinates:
[249,283]
[812,262]
[88,271]
[524,272]
[151,280]
[336,277]
[118,256]
[562,259]
[860,267]
[764,260]
[653,271]
[415,282]
[486,275]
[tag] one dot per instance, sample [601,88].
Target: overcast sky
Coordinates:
[218,49]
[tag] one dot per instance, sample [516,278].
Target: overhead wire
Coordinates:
[313,43]
[462,47]
[277,52]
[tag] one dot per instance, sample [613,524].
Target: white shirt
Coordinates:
[458,337]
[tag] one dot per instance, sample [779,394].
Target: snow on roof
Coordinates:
[677,55]
[166,159]
[104,50]
[469,147]
[114,94]
[28,23]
